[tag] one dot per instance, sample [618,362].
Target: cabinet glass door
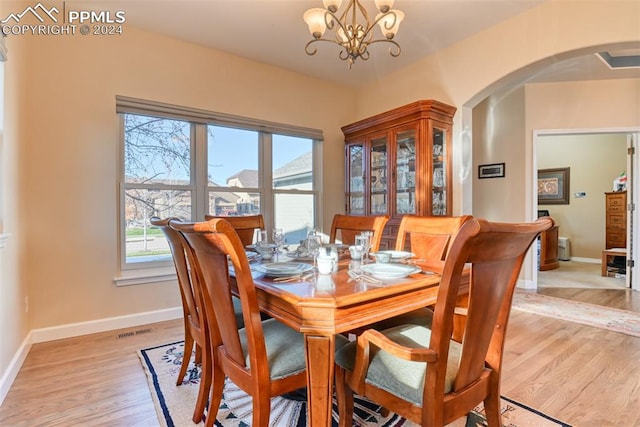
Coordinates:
[439,180]
[355,192]
[378,179]
[406,172]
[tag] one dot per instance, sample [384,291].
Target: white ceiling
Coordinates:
[273,32]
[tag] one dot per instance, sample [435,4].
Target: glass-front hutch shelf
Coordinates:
[399,163]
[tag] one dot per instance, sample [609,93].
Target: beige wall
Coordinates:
[498,137]
[14,322]
[61,200]
[71,153]
[502,57]
[595,160]
[503,128]
[62,137]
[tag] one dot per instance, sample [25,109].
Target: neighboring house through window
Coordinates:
[183,162]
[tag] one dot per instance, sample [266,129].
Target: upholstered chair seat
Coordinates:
[401,377]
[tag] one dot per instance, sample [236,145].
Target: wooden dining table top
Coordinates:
[335,303]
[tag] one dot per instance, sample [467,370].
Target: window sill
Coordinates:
[140,277]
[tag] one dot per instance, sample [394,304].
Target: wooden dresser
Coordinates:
[616,220]
[549,249]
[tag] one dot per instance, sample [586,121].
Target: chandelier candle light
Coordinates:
[353,36]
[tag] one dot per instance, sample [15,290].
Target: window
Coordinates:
[293,185]
[185,163]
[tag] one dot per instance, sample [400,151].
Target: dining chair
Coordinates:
[351,225]
[245,225]
[195,332]
[266,358]
[419,371]
[428,237]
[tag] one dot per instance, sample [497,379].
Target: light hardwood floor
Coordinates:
[582,375]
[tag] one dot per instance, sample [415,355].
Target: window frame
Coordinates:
[162,270]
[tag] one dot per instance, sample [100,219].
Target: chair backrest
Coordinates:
[245,225]
[191,300]
[214,242]
[429,238]
[496,252]
[352,225]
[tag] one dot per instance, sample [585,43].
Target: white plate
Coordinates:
[296,255]
[254,247]
[390,271]
[283,269]
[397,255]
[338,246]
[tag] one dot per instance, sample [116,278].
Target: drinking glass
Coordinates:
[367,242]
[262,238]
[262,244]
[278,238]
[314,243]
[361,245]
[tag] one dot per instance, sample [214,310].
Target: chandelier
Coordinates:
[353,34]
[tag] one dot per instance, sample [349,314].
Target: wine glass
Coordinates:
[361,246]
[262,238]
[367,242]
[262,244]
[313,244]
[278,238]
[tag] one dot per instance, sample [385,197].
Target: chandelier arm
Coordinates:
[393,52]
[388,25]
[330,19]
[370,27]
[363,11]
[344,55]
[315,49]
[373,25]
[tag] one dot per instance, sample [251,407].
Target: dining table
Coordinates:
[323,305]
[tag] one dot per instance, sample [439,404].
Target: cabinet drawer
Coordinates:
[616,208]
[616,239]
[616,220]
[616,203]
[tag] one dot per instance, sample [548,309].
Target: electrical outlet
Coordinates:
[26,304]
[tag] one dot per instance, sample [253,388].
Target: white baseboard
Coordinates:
[76,329]
[12,370]
[525,284]
[589,260]
[102,325]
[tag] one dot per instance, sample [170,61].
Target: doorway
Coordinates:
[595,157]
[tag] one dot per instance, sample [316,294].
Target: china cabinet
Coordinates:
[399,162]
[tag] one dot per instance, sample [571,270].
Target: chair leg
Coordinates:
[198,354]
[492,410]
[203,390]
[186,357]
[217,387]
[344,397]
[261,409]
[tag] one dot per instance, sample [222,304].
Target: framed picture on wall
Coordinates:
[553,186]
[495,170]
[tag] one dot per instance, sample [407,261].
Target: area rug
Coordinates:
[612,319]
[174,404]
